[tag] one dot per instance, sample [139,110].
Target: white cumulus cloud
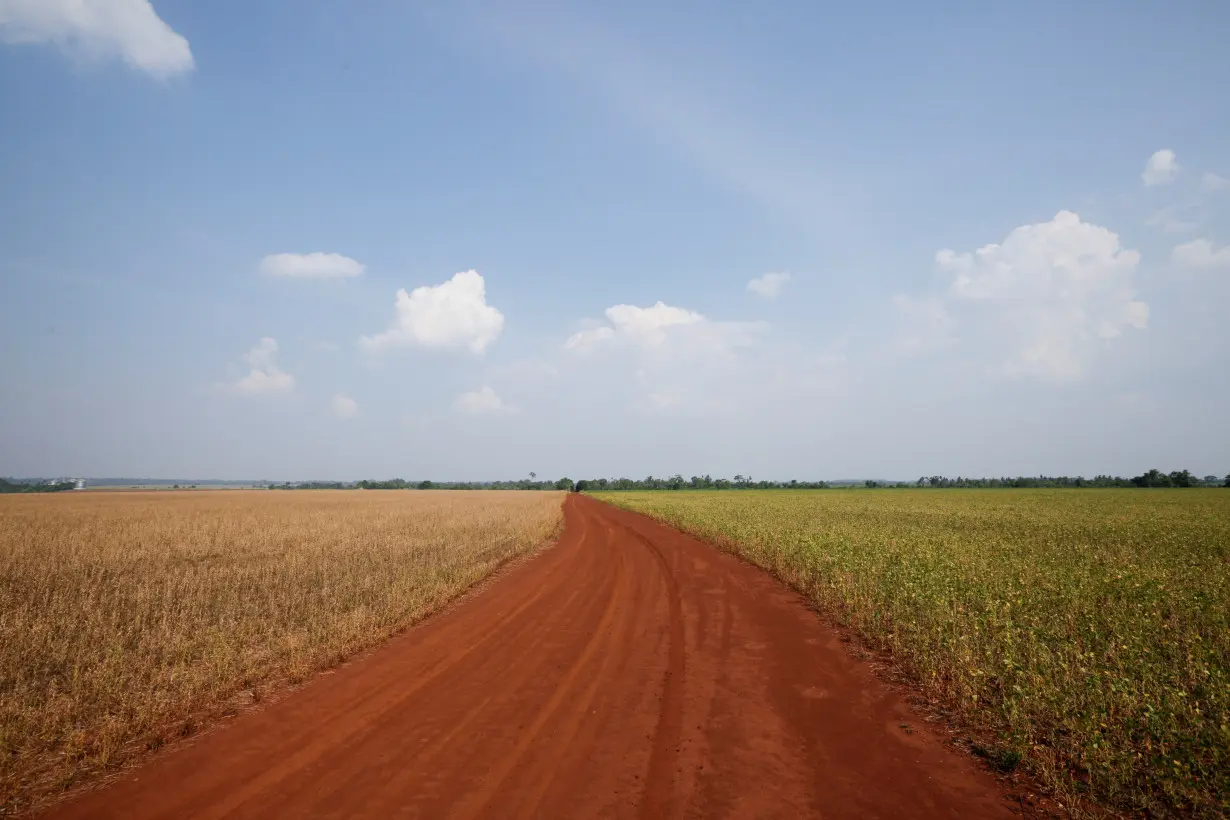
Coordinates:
[264,378]
[128,29]
[655,326]
[1044,297]
[311,266]
[1214,182]
[342,406]
[769,285]
[453,314]
[481,402]
[1200,253]
[1161,168]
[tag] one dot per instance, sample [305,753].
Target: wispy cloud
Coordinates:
[264,378]
[1214,182]
[1175,219]
[729,147]
[311,266]
[769,285]
[1201,253]
[484,401]
[342,406]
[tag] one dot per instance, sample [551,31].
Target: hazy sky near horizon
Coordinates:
[468,240]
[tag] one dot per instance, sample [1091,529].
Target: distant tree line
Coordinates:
[7,486]
[1152,478]
[696,482]
[402,484]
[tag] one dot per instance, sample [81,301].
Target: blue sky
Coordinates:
[470,240]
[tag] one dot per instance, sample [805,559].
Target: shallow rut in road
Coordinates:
[628,671]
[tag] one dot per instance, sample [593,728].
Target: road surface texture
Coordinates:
[628,671]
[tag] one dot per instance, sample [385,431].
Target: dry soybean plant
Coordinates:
[127,619]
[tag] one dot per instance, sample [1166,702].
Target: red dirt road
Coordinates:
[629,671]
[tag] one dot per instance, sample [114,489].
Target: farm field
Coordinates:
[128,619]
[1088,629]
[627,671]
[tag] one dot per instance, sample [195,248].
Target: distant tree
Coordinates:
[564,484]
[393,484]
[1153,478]
[14,486]
[871,485]
[533,475]
[1227,482]
[1182,478]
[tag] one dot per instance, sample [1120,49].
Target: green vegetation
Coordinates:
[402,484]
[1152,478]
[8,486]
[1089,630]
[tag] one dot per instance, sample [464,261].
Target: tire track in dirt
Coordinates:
[658,792]
[481,798]
[629,671]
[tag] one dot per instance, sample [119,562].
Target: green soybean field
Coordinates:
[1088,630]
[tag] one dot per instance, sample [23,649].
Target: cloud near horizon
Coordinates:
[97,29]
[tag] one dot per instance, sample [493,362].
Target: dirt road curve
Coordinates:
[629,671]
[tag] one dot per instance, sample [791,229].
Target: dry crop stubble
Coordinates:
[127,619]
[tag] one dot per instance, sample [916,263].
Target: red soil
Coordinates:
[629,671]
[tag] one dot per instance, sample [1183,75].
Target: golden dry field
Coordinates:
[128,619]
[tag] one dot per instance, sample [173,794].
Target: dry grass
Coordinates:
[127,619]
